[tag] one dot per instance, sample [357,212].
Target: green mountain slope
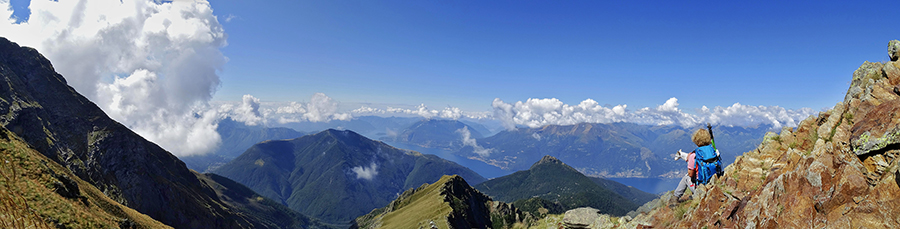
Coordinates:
[37,105]
[236,138]
[336,175]
[556,182]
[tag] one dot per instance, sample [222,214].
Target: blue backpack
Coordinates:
[707,163]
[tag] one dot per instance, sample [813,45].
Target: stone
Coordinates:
[894,50]
[584,218]
[892,72]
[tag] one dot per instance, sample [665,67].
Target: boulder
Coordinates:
[586,218]
[894,50]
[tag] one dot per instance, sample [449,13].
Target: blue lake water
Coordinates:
[651,185]
[483,169]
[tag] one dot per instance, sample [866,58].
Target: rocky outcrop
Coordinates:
[837,169]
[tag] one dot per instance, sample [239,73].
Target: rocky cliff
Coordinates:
[835,170]
[37,105]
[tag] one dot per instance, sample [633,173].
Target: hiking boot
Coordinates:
[682,200]
[673,201]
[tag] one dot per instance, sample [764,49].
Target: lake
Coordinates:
[651,185]
[484,169]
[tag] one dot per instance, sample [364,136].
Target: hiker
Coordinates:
[701,138]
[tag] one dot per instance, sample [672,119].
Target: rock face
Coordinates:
[838,169]
[37,105]
[448,203]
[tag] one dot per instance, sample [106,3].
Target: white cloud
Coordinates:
[320,108]
[421,110]
[247,111]
[469,141]
[251,111]
[540,112]
[149,66]
[367,173]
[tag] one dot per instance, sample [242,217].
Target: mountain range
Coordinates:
[38,106]
[609,150]
[336,175]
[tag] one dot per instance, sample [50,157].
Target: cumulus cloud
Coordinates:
[540,112]
[151,66]
[367,173]
[320,108]
[251,111]
[469,141]
[421,110]
[247,111]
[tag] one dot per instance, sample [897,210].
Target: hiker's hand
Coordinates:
[681,155]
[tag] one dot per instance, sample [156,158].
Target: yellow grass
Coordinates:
[28,199]
[421,210]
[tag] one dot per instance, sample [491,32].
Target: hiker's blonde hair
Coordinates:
[701,137]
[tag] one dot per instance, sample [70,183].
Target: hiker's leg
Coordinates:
[682,185]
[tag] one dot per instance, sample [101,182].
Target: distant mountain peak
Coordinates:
[547,159]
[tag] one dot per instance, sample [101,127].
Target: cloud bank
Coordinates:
[540,112]
[252,112]
[421,110]
[149,66]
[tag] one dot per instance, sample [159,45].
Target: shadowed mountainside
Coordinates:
[37,105]
[336,175]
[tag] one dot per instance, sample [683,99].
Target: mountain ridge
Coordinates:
[37,105]
[336,175]
[447,203]
[552,180]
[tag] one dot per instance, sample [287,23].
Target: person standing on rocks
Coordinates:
[701,137]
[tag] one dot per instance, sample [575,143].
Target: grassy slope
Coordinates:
[424,206]
[30,181]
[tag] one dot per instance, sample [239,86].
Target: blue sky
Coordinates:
[171,70]
[465,54]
